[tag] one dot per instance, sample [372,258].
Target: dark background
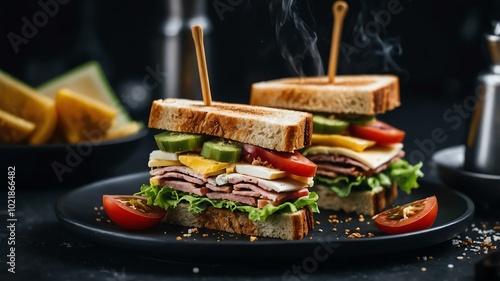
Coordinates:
[435,47]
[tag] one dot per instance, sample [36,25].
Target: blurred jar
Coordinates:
[174,70]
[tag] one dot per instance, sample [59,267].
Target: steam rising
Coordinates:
[296,40]
[368,49]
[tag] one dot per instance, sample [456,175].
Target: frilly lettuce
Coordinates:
[401,172]
[166,197]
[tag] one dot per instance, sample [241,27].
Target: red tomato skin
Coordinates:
[293,163]
[128,218]
[378,131]
[423,220]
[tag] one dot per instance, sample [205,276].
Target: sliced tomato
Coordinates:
[378,131]
[293,163]
[414,216]
[132,212]
[296,194]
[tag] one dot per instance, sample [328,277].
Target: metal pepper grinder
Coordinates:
[482,154]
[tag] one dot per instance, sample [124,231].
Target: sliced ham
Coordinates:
[335,165]
[184,186]
[179,169]
[186,177]
[252,201]
[223,188]
[271,195]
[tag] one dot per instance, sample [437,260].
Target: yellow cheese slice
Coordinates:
[372,157]
[356,144]
[203,165]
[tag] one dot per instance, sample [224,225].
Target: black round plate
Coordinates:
[483,189]
[79,211]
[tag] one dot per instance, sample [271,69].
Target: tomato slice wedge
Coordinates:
[378,131]
[131,212]
[293,163]
[414,216]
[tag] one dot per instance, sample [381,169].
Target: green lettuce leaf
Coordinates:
[401,172]
[167,197]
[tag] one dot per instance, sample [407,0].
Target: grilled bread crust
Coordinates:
[287,226]
[277,129]
[361,202]
[350,94]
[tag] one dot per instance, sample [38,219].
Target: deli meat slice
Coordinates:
[271,195]
[179,169]
[222,188]
[326,158]
[186,177]
[184,186]
[334,165]
[252,201]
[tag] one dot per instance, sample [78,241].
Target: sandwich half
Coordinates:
[359,157]
[232,167]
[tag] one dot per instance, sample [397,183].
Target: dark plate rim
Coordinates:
[139,135]
[152,246]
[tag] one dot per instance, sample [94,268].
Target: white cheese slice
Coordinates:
[163,155]
[260,171]
[372,157]
[280,185]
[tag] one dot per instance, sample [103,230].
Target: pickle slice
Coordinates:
[221,151]
[325,125]
[178,142]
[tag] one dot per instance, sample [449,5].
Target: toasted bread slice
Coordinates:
[277,129]
[360,202]
[350,94]
[287,226]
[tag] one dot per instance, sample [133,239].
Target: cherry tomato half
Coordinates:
[414,216]
[293,163]
[378,131]
[132,212]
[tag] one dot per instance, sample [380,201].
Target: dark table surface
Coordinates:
[46,250]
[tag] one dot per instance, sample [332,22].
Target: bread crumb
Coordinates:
[320,230]
[186,235]
[460,257]
[371,234]
[450,265]
[356,235]
[205,235]
[334,229]
[196,270]
[178,238]
[346,231]
[310,238]
[253,238]
[357,228]
[318,222]
[361,218]
[424,269]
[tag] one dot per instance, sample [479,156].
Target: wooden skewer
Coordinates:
[339,9]
[197,32]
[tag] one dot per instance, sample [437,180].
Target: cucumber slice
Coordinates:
[221,151]
[178,142]
[324,125]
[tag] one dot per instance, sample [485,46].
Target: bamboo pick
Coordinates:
[197,32]
[339,10]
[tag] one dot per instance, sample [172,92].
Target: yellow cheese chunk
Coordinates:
[14,129]
[153,181]
[353,143]
[83,118]
[21,100]
[203,165]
